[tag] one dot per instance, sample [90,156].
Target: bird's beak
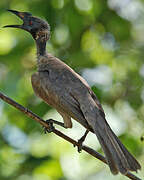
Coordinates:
[21,15]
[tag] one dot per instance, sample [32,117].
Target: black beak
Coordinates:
[22,15]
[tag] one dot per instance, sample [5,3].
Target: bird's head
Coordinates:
[39,29]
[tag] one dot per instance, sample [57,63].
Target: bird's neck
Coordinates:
[41,47]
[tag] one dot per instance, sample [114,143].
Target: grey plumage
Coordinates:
[71,96]
[62,88]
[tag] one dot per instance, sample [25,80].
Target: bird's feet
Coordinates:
[50,128]
[50,122]
[80,144]
[81,140]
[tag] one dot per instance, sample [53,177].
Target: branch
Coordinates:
[57,132]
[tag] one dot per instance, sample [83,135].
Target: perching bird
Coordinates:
[62,88]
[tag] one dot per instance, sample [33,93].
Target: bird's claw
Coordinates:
[80,145]
[80,141]
[50,128]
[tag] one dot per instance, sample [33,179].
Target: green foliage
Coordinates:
[101,40]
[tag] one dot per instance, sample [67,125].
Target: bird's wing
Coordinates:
[97,103]
[67,77]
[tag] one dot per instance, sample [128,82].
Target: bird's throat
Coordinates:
[41,47]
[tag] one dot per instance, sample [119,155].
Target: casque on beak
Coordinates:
[22,15]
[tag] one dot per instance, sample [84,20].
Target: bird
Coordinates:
[69,93]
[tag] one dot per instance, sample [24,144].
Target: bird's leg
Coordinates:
[55,122]
[50,122]
[81,140]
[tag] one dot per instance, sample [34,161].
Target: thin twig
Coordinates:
[57,132]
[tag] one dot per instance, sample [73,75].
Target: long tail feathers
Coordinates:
[118,157]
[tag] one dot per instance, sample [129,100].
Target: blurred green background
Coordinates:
[101,40]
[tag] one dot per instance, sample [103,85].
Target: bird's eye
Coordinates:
[30,23]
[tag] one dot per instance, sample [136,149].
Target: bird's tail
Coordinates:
[118,157]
